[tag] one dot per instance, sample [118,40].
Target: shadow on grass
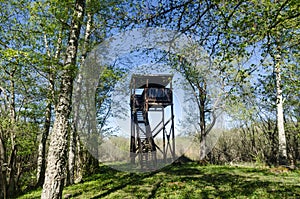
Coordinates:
[122,181]
[188,180]
[155,188]
[228,182]
[193,181]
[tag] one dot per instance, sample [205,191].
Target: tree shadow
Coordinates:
[154,190]
[195,182]
[125,180]
[212,184]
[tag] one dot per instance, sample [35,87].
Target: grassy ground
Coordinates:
[187,181]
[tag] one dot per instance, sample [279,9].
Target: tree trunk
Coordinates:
[41,163]
[280,120]
[3,168]
[11,185]
[54,178]
[79,161]
[71,156]
[202,125]
[3,152]
[74,139]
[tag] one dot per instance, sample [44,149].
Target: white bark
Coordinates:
[72,156]
[41,163]
[279,114]
[55,172]
[79,161]
[73,134]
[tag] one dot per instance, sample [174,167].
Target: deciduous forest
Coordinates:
[255,52]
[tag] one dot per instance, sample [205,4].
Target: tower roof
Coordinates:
[154,80]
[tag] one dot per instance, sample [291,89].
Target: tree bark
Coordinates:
[41,163]
[72,156]
[280,120]
[74,139]
[78,175]
[55,172]
[3,167]
[3,149]
[11,185]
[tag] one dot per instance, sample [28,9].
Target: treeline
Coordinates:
[257,144]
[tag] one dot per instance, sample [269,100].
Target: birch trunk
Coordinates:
[72,156]
[280,120]
[55,172]
[41,163]
[74,139]
[79,163]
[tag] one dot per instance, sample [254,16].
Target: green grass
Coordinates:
[186,181]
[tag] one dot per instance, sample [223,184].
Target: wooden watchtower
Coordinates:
[151,93]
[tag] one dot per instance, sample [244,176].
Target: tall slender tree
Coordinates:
[54,179]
